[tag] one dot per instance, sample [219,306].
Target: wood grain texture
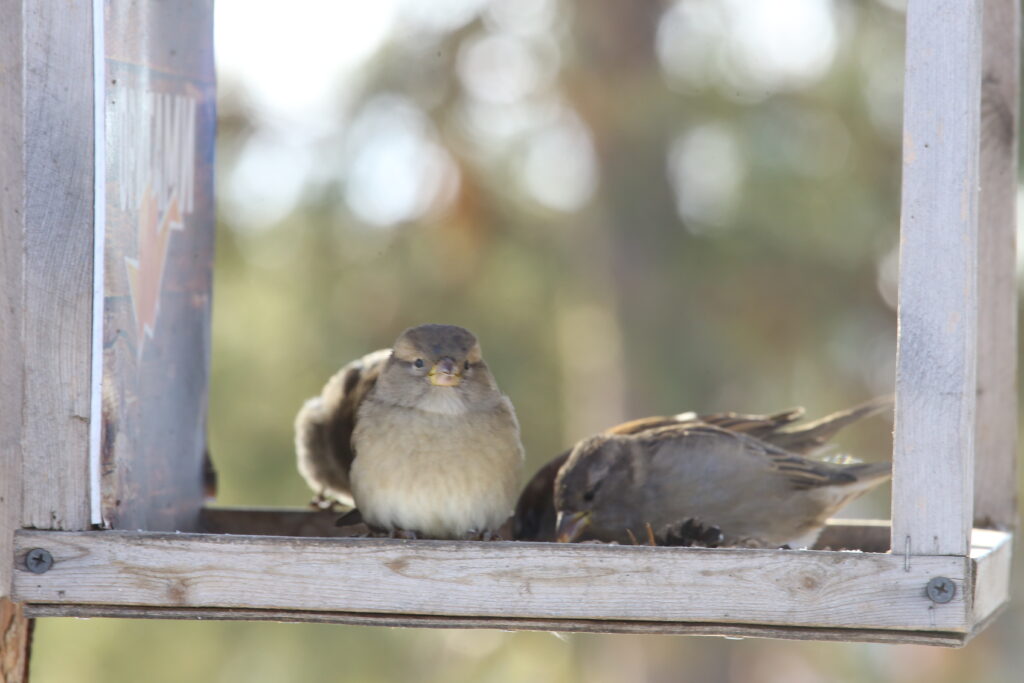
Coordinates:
[58,261]
[12,291]
[869,535]
[995,434]
[505,579]
[990,558]
[941,638]
[15,642]
[933,463]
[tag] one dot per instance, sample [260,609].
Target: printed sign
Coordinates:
[159,141]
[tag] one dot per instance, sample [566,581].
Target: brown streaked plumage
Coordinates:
[323,430]
[612,487]
[535,516]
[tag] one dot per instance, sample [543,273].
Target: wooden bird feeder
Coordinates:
[106,231]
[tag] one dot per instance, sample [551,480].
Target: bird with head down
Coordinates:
[743,475]
[418,438]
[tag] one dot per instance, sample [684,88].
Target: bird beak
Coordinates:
[445,373]
[570,527]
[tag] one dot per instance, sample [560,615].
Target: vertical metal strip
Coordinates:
[99,233]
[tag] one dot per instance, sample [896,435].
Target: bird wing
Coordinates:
[708,440]
[755,425]
[323,427]
[746,487]
[654,422]
[760,426]
[342,396]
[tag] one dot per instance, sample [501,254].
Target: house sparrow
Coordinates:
[323,430]
[535,513]
[612,487]
[434,448]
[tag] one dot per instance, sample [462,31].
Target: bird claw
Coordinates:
[692,532]
[322,502]
[485,535]
[404,534]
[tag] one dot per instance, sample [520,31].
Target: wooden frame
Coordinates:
[945,578]
[47,258]
[873,596]
[956,356]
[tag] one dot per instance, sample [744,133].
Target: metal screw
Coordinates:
[940,590]
[38,561]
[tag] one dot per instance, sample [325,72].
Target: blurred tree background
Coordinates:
[639,208]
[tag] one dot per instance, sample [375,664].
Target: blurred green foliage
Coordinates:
[662,219]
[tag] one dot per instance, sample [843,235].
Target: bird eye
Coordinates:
[465,365]
[588,496]
[419,363]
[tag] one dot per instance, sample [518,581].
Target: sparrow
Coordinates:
[433,446]
[536,511]
[756,494]
[323,430]
[534,518]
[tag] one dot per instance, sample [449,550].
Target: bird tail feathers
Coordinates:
[869,474]
[812,436]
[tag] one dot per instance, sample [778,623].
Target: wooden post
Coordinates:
[12,370]
[15,642]
[933,460]
[45,285]
[995,436]
[47,173]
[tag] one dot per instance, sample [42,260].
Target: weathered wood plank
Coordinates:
[12,291]
[990,558]
[869,535]
[507,579]
[933,464]
[995,434]
[58,262]
[941,638]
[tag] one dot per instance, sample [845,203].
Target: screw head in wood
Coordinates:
[38,561]
[940,589]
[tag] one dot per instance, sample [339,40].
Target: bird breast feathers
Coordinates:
[412,465]
[440,441]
